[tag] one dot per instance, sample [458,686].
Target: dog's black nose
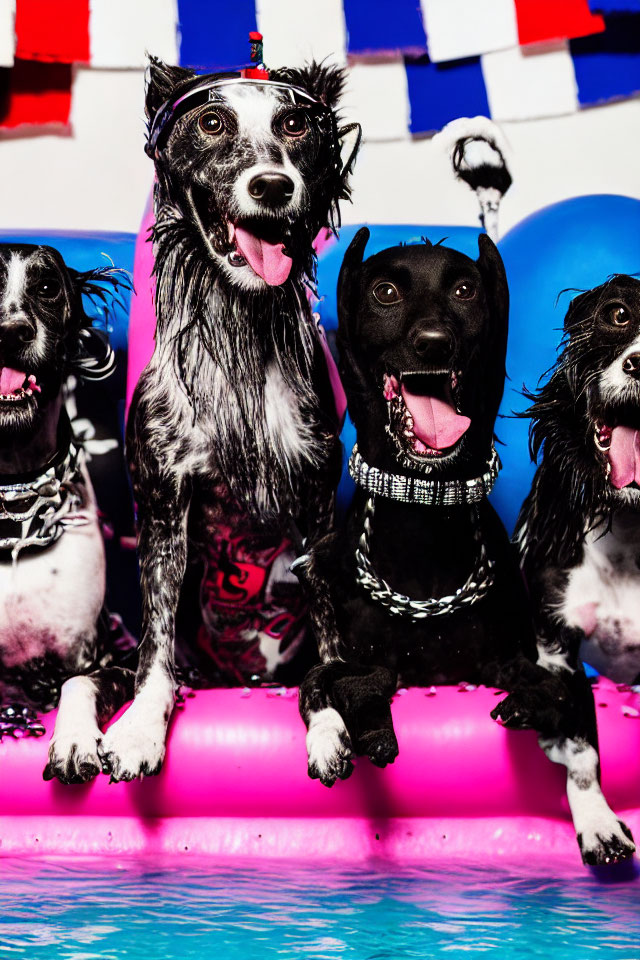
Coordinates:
[15,330]
[631,365]
[273,189]
[433,345]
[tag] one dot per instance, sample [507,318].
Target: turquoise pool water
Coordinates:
[160,911]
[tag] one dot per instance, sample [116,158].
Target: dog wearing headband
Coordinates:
[232,433]
[421,586]
[579,534]
[52,568]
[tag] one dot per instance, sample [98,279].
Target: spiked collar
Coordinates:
[35,510]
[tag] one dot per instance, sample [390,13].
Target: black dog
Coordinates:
[426,589]
[230,434]
[579,533]
[52,567]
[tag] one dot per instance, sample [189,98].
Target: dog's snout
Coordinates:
[16,329]
[631,365]
[273,189]
[433,345]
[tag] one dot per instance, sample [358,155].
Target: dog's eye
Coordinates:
[386,292]
[464,291]
[618,315]
[48,288]
[294,124]
[211,122]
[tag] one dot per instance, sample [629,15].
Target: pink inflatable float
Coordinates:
[235,783]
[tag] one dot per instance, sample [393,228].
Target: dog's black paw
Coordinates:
[73,764]
[536,708]
[513,712]
[328,748]
[380,746]
[611,845]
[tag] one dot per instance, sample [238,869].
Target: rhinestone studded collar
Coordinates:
[430,493]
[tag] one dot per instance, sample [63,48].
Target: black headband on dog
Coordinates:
[207,92]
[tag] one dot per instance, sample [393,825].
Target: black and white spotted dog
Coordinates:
[230,434]
[422,584]
[579,533]
[52,568]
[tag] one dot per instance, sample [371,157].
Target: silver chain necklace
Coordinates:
[37,511]
[407,490]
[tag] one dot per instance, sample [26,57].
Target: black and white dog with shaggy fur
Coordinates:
[52,563]
[579,533]
[232,425]
[422,585]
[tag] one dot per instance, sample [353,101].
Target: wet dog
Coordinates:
[232,432]
[52,569]
[579,533]
[422,585]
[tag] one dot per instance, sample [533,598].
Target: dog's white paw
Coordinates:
[604,839]
[133,747]
[328,747]
[73,756]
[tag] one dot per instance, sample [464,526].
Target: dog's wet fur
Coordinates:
[579,532]
[441,328]
[52,620]
[232,422]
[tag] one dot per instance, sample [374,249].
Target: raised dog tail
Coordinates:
[478,150]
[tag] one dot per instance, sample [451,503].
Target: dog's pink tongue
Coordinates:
[435,422]
[268,260]
[11,380]
[624,456]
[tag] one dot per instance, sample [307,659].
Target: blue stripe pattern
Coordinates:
[214,35]
[440,92]
[607,65]
[614,6]
[378,26]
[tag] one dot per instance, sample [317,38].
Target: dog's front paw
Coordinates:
[73,757]
[380,746]
[531,709]
[132,748]
[513,712]
[328,748]
[605,840]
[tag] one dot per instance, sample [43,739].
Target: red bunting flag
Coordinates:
[35,93]
[548,21]
[53,32]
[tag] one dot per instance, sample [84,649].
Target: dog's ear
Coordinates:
[324,81]
[495,284]
[573,315]
[351,264]
[349,138]
[161,80]
[348,290]
[494,280]
[92,357]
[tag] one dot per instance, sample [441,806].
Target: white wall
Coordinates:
[99,176]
